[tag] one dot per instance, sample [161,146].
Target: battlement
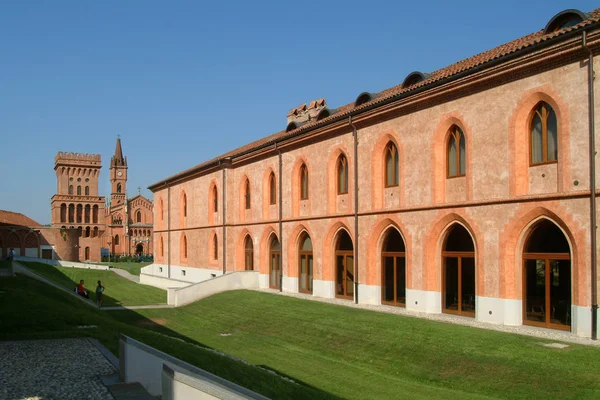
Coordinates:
[64,157]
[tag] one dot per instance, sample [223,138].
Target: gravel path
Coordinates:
[53,369]
[542,333]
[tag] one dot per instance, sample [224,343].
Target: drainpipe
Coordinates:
[354,133]
[224,209]
[169,232]
[280,223]
[592,157]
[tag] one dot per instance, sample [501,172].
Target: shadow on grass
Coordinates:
[129,293]
[55,314]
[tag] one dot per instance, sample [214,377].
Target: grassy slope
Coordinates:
[132,267]
[32,310]
[118,290]
[4,264]
[361,354]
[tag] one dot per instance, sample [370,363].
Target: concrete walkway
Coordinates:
[126,275]
[542,333]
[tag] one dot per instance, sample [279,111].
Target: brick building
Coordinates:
[123,226]
[467,190]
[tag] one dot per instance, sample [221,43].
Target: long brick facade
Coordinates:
[466,191]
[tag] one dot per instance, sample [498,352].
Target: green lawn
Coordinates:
[30,309]
[132,267]
[118,290]
[363,354]
[4,264]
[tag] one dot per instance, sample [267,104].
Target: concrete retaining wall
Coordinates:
[160,282]
[162,374]
[231,281]
[66,264]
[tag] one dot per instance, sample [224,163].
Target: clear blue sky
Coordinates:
[185,81]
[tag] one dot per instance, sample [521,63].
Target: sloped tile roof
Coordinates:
[14,219]
[447,72]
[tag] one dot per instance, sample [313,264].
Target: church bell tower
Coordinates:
[118,176]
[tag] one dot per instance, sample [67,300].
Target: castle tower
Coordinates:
[118,176]
[76,204]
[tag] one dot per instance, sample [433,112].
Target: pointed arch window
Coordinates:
[392,168]
[184,204]
[184,252]
[119,188]
[78,190]
[215,247]
[215,199]
[249,254]
[305,264]
[303,182]
[457,152]
[272,189]
[70,189]
[138,217]
[247,193]
[116,241]
[342,174]
[544,135]
[87,190]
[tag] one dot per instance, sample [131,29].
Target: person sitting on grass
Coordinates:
[99,290]
[81,290]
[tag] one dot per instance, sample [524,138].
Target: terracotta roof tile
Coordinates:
[449,71]
[13,219]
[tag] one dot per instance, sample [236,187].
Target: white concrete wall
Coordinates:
[369,294]
[162,374]
[162,283]
[423,301]
[324,289]
[499,311]
[181,273]
[31,252]
[66,264]
[231,281]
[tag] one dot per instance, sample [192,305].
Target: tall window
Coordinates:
[184,252]
[272,189]
[118,188]
[391,165]
[78,190]
[274,263]
[116,241]
[457,152]
[342,174]
[87,190]
[305,267]
[544,135]
[393,269]
[70,189]
[184,204]
[215,248]
[162,248]
[138,217]
[160,206]
[303,182]
[215,199]
[458,272]
[249,254]
[344,266]
[547,277]
[247,193]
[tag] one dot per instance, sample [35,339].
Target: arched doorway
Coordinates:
[248,254]
[139,249]
[305,264]
[547,277]
[344,266]
[274,263]
[458,270]
[393,269]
